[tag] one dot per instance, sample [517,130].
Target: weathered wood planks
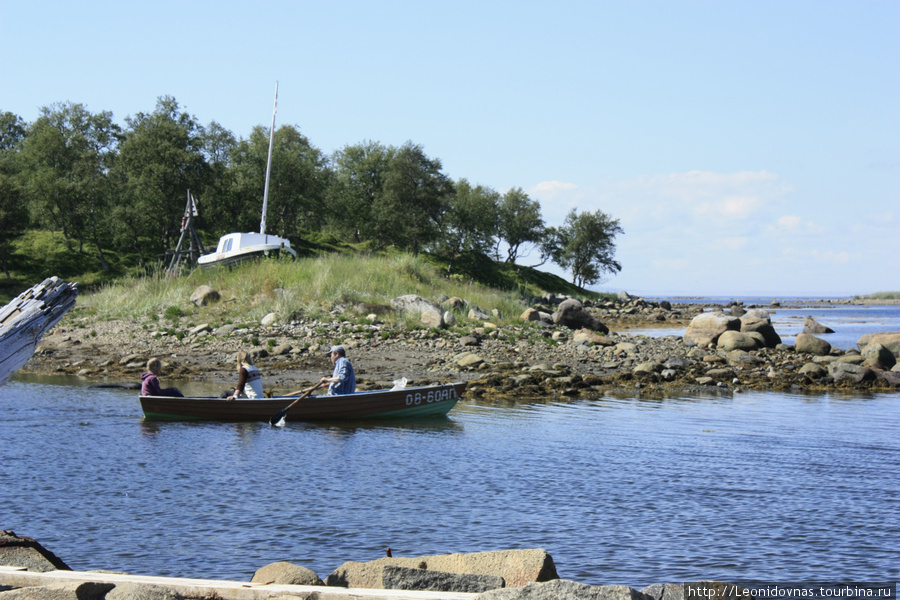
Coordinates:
[24,320]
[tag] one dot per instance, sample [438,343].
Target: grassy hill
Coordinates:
[327,273]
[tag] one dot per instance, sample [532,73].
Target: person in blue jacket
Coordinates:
[343,379]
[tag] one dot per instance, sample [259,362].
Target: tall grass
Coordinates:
[882,296]
[310,287]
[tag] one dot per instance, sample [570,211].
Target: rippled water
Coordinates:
[618,490]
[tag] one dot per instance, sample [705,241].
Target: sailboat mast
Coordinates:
[262,222]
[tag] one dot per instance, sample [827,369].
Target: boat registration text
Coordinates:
[438,395]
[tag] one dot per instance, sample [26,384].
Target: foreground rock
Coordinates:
[515,567]
[286,573]
[404,578]
[501,575]
[888,339]
[705,329]
[26,552]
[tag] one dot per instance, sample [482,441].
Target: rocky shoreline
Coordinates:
[28,571]
[560,346]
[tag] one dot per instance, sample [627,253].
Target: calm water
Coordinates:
[618,490]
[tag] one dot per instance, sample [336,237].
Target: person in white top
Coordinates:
[249,379]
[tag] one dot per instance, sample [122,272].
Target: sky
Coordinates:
[747,148]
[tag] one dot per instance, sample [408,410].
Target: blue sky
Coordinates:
[745,147]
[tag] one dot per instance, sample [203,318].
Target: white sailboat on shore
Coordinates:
[236,247]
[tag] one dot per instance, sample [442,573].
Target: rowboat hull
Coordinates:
[407,402]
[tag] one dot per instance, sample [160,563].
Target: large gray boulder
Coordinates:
[286,573]
[204,295]
[877,356]
[888,339]
[842,371]
[810,344]
[572,314]
[412,303]
[812,326]
[532,314]
[404,578]
[735,340]
[757,320]
[705,329]
[564,589]
[516,567]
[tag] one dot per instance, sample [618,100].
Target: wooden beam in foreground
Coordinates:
[219,589]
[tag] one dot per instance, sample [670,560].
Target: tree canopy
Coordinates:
[123,188]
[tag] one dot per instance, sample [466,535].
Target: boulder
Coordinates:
[84,590]
[516,567]
[842,371]
[564,589]
[204,295]
[647,368]
[757,320]
[449,318]
[892,378]
[433,319]
[282,349]
[468,360]
[586,336]
[530,314]
[737,310]
[412,303]
[368,308]
[708,590]
[572,314]
[735,340]
[813,370]
[877,356]
[224,330]
[888,339]
[810,344]
[18,551]
[199,329]
[283,572]
[454,303]
[812,326]
[705,329]
[664,591]
[476,313]
[269,320]
[142,591]
[405,578]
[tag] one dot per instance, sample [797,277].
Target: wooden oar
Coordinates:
[280,414]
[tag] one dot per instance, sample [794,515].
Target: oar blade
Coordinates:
[278,417]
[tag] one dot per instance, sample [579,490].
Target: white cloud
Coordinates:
[731,244]
[730,207]
[724,233]
[794,225]
[788,221]
[550,189]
